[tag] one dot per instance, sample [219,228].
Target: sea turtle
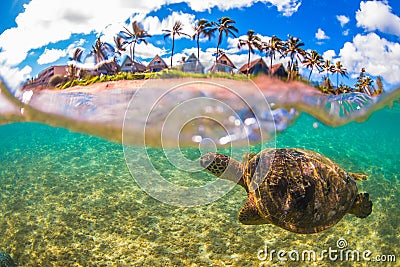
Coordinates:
[298,190]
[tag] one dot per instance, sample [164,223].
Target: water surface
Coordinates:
[68,199]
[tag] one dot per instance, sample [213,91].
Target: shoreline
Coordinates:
[269,86]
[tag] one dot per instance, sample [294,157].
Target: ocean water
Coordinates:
[69,199]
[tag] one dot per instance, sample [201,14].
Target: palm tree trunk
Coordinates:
[248,64]
[133,51]
[133,57]
[198,47]
[270,67]
[337,79]
[290,69]
[219,42]
[367,90]
[173,46]
[309,76]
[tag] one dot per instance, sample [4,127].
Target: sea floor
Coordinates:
[68,199]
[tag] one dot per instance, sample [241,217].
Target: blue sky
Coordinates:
[35,34]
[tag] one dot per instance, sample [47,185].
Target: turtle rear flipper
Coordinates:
[249,214]
[358,176]
[362,206]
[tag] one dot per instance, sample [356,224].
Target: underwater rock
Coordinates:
[6,260]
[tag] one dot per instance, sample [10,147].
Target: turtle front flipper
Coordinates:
[249,214]
[362,206]
[358,176]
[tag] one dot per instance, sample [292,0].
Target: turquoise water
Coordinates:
[68,199]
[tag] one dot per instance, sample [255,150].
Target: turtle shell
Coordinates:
[299,190]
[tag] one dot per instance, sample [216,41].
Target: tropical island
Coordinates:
[110,65]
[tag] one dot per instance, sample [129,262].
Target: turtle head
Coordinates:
[223,167]
[215,163]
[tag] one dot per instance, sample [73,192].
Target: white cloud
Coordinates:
[320,35]
[154,26]
[286,7]
[377,55]
[377,15]
[147,51]
[343,20]
[329,55]
[233,42]
[51,55]
[36,28]
[13,77]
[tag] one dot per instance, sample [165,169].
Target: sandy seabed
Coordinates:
[69,200]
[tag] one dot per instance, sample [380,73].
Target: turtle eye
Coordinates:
[206,160]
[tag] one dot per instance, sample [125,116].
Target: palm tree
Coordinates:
[130,38]
[224,25]
[119,44]
[343,89]
[312,60]
[364,83]
[338,69]
[271,47]
[176,30]
[251,42]
[327,67]
[367,84]
[379,85]
[294,51]
[77,57]
[327,86]
[201,28]
[104,55]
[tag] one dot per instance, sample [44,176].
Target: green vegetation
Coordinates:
[173,73]
[108,78]
[167,73]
